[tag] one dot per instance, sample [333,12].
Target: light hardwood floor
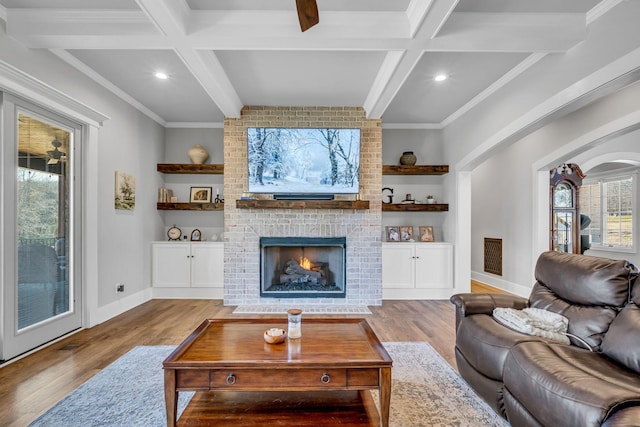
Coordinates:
[31,385]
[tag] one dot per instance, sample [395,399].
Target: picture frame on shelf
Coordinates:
[200,195]
[392,233]
[406,233]
[426,233]
[196,235]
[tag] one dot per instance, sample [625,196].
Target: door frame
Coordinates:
[22,85]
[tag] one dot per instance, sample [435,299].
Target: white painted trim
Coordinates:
[3,13]
[187,293]
[388,67]
[121,305]
[499,283]
[411,126]
[194,125]
[28,87]
[90,224]
[416,13]
[462,258]
[600,9]
[617,156]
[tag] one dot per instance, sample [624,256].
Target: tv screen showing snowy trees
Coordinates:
[303,161]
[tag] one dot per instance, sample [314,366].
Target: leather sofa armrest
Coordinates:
[627,417]
[477,303]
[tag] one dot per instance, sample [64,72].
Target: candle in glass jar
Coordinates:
[294,316]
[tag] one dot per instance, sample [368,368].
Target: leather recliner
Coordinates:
[534,382]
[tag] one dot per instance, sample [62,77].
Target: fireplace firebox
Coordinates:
[303,267]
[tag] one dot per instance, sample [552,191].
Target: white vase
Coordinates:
[198,154]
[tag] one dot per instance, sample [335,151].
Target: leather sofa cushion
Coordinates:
[565,385]
[484,343]
[583,279]
[588,322]
[622,341]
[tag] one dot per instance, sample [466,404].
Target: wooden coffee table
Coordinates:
[231,355]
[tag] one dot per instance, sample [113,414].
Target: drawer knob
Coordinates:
[231,379]
[325,378]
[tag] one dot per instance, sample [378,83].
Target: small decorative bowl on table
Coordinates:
[275,336]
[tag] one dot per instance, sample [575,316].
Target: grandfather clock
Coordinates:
[564,191]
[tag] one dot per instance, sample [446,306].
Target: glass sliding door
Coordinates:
[41,291]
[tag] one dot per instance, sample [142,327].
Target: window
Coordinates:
[609,202]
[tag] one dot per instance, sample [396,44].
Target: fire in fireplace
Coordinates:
[303,267]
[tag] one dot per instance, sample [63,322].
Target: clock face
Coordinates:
[174,233]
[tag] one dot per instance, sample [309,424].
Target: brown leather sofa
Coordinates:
[593,381]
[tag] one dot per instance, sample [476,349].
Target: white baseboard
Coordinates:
[121,305]
[504,285]
[416,294]
[187,293]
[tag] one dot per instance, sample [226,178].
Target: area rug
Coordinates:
[311,309]
[426,391]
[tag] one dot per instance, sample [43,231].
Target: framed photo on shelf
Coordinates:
[392,233]
[406,233]
[200,195]
[426,233]
[196,236]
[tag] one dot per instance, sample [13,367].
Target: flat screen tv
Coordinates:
[303,161]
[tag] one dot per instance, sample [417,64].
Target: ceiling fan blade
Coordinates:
[307,13]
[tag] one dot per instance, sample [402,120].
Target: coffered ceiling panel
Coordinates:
[301,77]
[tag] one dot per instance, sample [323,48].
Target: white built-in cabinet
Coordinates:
[415,270]
[188,265]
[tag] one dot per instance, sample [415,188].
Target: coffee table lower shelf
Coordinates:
[349,408]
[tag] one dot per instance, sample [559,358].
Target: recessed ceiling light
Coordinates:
[440,77]
[161,75]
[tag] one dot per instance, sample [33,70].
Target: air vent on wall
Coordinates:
[493,256]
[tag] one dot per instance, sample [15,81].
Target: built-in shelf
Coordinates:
[413,207]
[302,204]
[185,168]
[415,170]
[190,206]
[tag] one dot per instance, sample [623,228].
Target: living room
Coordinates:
[568,97]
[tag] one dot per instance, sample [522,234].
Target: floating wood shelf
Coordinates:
[190,206]
[412,207]
[302,204]
[415,170]
[185,168]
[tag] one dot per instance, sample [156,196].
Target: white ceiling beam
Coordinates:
[396,68]
[231,30]
[171,18]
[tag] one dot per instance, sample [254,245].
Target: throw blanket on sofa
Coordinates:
[534,321]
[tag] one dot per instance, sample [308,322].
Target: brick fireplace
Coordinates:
[245,227]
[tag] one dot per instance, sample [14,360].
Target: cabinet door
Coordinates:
[434,266]
[397,266]
[207,265]
[171,265]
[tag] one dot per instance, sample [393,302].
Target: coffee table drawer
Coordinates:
[273,379]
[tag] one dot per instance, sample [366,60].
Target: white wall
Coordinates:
[129,142]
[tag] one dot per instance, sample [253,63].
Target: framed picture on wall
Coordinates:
[426,233]
[200,195]
[406,233]
[393,234]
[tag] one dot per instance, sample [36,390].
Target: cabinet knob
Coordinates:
[231,379]
[325,378]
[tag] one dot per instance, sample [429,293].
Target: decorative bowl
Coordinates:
[275,336]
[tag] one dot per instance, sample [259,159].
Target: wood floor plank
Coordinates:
[31,385]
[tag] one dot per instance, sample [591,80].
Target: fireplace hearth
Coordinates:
[303,267]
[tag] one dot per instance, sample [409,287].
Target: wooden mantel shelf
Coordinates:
[302,204]
[412,207]
[415,170]
[186,168]
[190,206]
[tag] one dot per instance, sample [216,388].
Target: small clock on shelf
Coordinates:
[174,233]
